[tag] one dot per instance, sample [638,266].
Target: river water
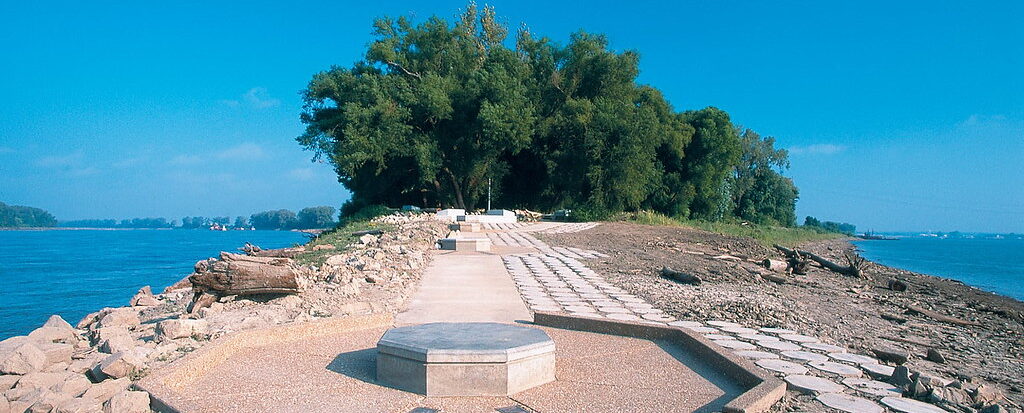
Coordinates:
[995,265]
[75,272]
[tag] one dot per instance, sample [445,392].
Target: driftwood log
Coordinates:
[854,269]
[280,252]
[775,265]
[940,317]
[775,278]
[235,274]
[679,276]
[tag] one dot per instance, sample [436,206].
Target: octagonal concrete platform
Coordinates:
[465,359]
[329,366]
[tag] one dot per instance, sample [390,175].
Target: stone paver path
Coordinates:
[556,279]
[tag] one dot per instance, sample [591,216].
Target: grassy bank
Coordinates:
[764,234]
[339,237]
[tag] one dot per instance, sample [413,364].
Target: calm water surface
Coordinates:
[995,265]
[73,273]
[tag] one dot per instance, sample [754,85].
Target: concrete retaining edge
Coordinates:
[163,386]
[763,388]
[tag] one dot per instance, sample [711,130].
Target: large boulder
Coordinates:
[122,364]
[21,358]
[92,318]
[57,321]
[180,328]
[144,298]
[86,363]
[103,391]
[53,335]
[7,381]
[116,344]
[120,317]
[41,380]
[47,401]
[74,385]
[80,405]
[128,402]
[57,352]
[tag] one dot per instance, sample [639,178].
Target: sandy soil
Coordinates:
[844,310]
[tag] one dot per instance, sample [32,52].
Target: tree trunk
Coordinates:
[239,275]
[775,265]
[854,269]
[460,202]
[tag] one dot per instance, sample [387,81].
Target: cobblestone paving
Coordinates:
[555,279]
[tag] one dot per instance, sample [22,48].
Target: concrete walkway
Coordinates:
[465,287]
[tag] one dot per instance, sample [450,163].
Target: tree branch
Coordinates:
[404,70]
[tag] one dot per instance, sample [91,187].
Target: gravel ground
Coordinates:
[844,310]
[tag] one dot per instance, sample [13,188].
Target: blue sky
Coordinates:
[905,116]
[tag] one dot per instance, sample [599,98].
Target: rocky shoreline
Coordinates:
[980,345]
[91,367]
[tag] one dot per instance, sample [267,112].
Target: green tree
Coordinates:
[710,157]
[426,116]
[279,219]
[759,192]
[22,216]
[316,217]
[437,113]
[240,222]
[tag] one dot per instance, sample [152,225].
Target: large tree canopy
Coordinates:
[437,110]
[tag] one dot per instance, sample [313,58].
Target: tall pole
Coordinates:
[488,194]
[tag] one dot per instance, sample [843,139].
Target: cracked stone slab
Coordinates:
[812,385]
[905,405]
[735,344]
[739,330]
[658,317]
[702,330]
[799,338]
[873,387]
[757,337]
[781,366]
[756,355]
[804,355]
[686,324]
[774,330]
[848,403]
[839,369]
[828,348]
[720,323]
[879,371]
[853,358]
[779,345]
[717,337]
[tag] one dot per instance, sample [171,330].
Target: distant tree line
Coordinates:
[204,222]
[308,218]
[16,216]
[124,223]
[830,226]
[441,114]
